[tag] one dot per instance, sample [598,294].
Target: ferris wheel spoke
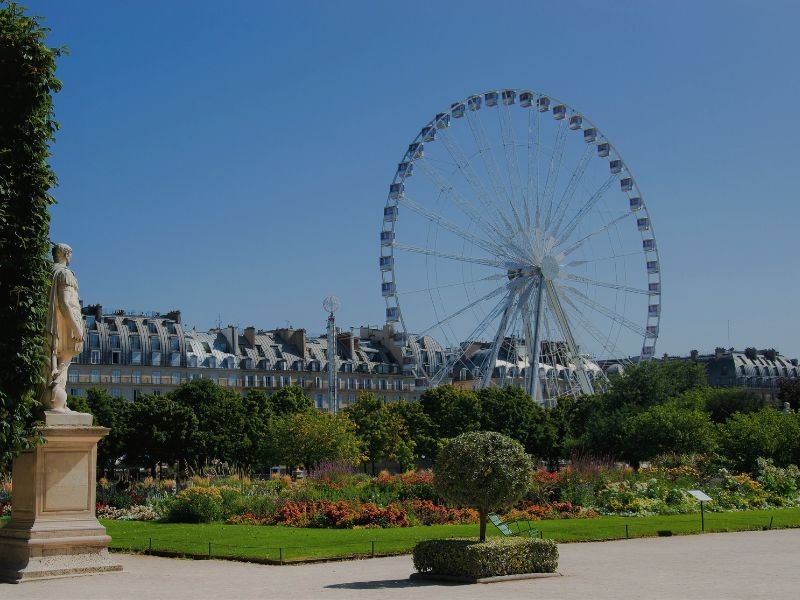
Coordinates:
[491,210]
[533,168]
[595,233]
[452,285]
[483,324]
[464,309]
[488,366]
[574,180]
[604,310]
[490,247]
[608,346]
[490,164]
[517,199]
[584,210]
[554,170]
[606,284]
[457,257]
[558,312]
[582,262]
[475,215]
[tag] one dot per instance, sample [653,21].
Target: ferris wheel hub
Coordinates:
[550,267]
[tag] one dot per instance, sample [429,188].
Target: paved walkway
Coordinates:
[728,566]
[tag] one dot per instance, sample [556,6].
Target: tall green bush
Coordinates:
[27,82]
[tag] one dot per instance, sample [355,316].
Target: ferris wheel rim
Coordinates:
[389,275]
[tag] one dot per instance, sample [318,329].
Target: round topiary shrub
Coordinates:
[482,469]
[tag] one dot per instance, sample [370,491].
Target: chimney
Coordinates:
[250,336]
[93,310]
[299,341]
[174,315]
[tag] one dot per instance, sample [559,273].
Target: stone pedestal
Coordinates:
[53,531]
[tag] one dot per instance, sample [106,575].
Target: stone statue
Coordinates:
[64,330]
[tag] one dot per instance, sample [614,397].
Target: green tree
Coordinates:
[768,433]
[27,83]
[108,412]
[311,437]
[258,418]
[512,412]
[789,391]
[667,428]
[221,420]
[453,411]
[383,433]
[290,399]
[722,403]
[159,430]
[483,469]
[421,430]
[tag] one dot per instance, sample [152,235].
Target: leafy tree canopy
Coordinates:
[383,432]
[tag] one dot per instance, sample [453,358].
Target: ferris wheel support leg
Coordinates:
[498,341]
[532,333]
[558,311]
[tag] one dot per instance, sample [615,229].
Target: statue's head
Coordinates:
[62,253]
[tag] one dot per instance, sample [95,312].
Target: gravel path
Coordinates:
[728,566]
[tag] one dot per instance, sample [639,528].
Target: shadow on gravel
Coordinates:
[385,584]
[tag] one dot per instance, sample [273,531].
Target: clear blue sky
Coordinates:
[231,159]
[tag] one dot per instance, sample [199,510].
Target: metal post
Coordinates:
[770,522]
[626,531]
[209,549]
[280,555]
[534,387]
[373,548]
[702,517]
[150,546]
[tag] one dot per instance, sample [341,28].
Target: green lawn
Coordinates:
[273,543]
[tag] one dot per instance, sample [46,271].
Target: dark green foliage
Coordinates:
[258,417]
[383,433]
[789,391]
[490,558]
[311,437]
[722,403]
[483,469]
[289,400]
[452,411]
[108,412]
[667,428]
[512,412]
[221,420]
[768,433]
[160,430]
[27,82]
[421,429]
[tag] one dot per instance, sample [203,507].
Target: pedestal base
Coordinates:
[53,531]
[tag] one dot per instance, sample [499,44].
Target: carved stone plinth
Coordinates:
[53,531]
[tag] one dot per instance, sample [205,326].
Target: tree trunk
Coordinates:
[482,514]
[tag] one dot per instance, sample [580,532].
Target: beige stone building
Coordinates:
[133,354]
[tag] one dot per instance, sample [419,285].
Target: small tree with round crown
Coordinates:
[483,469]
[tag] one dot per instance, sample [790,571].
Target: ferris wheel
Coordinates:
[516,235]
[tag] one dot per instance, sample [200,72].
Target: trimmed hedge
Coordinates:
[494,557]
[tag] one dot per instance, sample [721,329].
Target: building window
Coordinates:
[156,377]
[319,400]
[267,381]
[136,357]
[176,378]
[368,384]
[155,343]
[250,381]
[175,359]
[73,376]
[213,377]
[136,394]
[156,392]
[115,393]
[155,358]
[136,342]
[174,344]
[301,381]
[351,398]
[317,382]
[94,340]
[95,376]
[115,376]
[114,339]
[75,392]
[384,384]
[151,327]
[136,377]
[231,380]
[94,357]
